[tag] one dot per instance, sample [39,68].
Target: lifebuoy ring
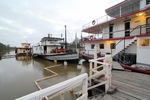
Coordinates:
[91,37]
[93,22]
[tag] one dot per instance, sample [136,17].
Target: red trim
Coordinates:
[143,35]
[130,37]
[135,69]
[115,19]
[88,57]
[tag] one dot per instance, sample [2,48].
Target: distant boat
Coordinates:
[24,50]
[52,48]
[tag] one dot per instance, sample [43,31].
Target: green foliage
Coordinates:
[4,47]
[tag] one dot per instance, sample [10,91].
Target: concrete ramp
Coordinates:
[116,66]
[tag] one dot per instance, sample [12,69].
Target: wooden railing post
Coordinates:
[95,57]
[60,88]
[106,78]
[62,96]
[84,88]
[91,67]
[106,71]
[140,29]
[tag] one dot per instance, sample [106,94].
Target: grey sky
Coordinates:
[30,20]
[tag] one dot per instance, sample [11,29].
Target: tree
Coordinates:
[2,47]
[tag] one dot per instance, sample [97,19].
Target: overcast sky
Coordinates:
[30,20]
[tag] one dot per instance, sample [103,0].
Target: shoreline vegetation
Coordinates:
[5,48]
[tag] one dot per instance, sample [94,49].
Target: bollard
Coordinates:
[65,63]
[55,61]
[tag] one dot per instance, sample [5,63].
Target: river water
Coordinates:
[17,75]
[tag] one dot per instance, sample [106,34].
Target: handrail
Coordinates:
[130,32]
[95,72]
[107,18]
[55,89]
[131,29]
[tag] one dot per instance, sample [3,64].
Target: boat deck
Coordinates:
[130,86]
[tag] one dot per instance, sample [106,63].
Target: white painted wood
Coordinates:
[120,46]
[143,52]
[106,71]
[58,87]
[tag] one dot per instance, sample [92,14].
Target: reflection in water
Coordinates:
[26,60]
[7,52]
[17,75]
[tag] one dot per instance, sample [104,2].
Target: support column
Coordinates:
[120,11]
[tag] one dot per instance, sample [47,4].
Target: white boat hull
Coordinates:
[60,57]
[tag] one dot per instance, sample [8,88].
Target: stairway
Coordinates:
[118,50]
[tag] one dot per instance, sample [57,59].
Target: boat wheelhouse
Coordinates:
[25,49]
[124,32]
[52,48]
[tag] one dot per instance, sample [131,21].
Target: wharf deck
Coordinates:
[130,86]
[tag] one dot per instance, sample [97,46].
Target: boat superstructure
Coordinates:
[25,49]
[124,32]
[52,48]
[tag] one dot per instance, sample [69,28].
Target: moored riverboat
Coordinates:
[124,33]
[53,48]
[24,50]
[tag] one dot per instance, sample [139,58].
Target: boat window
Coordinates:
[147,2]
[116,27]
[101,46]
[105,30]
[92,46]
[145,42]
[112,46]
[40,48]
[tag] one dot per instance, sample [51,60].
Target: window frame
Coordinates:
[101,46]
[112,45]
[147,2]
[144,42]
[92,46]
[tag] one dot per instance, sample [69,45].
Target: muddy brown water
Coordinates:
[17,75]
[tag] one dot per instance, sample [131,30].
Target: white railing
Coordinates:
[99,20]
[120,47]
[105,63]
[60,88]
[114,14]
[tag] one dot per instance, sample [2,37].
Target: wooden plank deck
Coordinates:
[130,86]
[117,66]
[132,83]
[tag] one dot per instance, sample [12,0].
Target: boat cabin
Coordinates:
[25,49]
[49,45]
[124,32]
[52,48]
